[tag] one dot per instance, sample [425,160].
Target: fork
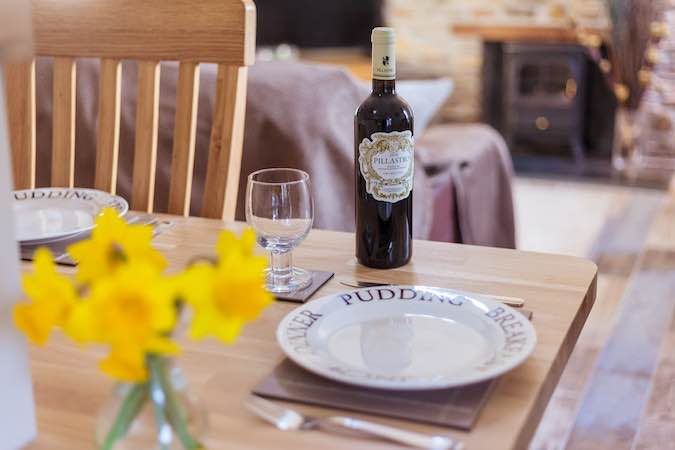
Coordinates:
[289,420]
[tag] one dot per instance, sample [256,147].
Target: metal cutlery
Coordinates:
[514,302]
[289,420]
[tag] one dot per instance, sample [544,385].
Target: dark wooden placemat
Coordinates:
[457,407]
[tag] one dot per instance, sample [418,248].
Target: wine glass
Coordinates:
[280,209]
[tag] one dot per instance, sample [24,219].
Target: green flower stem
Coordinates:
[158,398]
[175,411]
[131,406]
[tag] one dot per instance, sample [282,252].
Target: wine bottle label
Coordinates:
[386,161]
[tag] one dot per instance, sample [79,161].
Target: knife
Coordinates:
[514,302]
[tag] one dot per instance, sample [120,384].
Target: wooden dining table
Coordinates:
[559,290]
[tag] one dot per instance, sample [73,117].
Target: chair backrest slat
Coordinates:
[145,149]
[20,99]
[225,148]
[149,31]
[107,145]
[182,158]
[63,122]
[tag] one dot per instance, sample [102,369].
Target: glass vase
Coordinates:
[159,414]
[626,138]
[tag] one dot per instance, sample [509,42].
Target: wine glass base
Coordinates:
[298,279]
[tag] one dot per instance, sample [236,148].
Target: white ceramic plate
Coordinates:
[406,337]
[47,214]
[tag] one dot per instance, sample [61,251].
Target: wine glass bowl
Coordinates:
[280,209]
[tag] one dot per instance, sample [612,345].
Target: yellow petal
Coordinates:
[248,240]
[226,243]
[51,297]
[196,284]
[125,366]
[161,346]
[229,330]
[109,223]
[35,326]
[43,260]
[83,325]
[92,260]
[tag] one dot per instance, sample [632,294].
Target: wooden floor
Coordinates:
[618,390]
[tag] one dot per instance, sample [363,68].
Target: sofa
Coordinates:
[301,115]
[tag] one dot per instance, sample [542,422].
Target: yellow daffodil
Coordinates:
[114,243]
[130,307]
[226,296]
[133,311]
[52,296]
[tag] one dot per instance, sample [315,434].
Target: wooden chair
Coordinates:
[149,31]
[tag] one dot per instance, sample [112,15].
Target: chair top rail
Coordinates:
[218,31]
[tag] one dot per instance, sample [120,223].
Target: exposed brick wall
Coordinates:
[428,48]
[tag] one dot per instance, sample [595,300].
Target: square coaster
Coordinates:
[318,279]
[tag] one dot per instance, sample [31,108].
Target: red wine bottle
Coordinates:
[383,156]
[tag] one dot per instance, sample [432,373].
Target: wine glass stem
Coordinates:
[282,268]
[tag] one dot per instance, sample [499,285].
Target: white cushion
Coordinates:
[425,97]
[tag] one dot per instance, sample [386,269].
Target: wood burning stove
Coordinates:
[544,98]
[552,105]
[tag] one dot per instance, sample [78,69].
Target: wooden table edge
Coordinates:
[561,359]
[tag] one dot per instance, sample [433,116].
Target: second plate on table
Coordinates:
[406,337]
[47,214]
